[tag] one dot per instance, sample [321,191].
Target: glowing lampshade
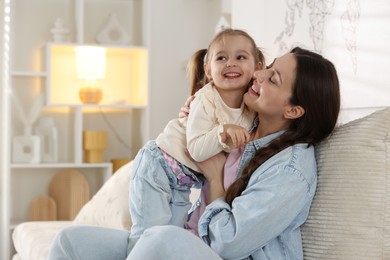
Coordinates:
[91,62]
[91,66]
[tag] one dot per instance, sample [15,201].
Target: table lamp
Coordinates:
[91,66]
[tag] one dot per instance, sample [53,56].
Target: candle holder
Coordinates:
[94,144]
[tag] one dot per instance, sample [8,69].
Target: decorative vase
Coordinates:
[26,148]
[91,95]
[59,31]
[113,33]
[94,143]
[48,134]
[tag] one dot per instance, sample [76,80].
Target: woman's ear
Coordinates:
[294,112]
[259,66]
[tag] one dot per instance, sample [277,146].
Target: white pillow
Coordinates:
[350,214]
[32,240]
[109,207]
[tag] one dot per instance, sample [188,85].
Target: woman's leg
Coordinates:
[81,242]
[171,242]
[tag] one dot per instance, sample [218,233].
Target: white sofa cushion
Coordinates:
[109,207]
[350,214]
[32,240]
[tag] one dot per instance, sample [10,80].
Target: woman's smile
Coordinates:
[253,91]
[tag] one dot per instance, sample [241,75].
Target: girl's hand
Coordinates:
[185,110]
[234,136]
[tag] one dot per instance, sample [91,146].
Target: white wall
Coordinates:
[175,30]
[355,36]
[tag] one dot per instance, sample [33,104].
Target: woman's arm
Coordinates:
[213,170]
[185,110]
[263,211]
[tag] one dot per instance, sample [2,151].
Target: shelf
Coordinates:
[28,74]
[61,165]
[114,106]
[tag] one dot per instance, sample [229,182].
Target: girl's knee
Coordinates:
[167,232]
[63,236]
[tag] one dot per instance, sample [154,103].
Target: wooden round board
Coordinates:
[70,189]
[43,208]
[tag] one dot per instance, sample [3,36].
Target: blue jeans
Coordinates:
[155,195]
[96,243]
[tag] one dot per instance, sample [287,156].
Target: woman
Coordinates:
[259,216]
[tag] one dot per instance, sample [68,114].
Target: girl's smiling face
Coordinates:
[230,63]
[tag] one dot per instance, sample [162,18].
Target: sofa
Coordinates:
[349,217]
[107,208]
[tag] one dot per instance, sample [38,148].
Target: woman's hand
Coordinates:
[213,169]
[185,110]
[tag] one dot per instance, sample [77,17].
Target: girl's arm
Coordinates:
[229,134]
[206,129]
[202,129]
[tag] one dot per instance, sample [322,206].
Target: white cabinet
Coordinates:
[39,66]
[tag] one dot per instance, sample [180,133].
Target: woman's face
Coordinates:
[272,88]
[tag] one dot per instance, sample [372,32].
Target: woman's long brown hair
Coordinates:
[316,89]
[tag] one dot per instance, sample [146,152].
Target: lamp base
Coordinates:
[90,95]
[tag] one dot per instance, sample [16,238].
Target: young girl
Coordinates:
[219,121]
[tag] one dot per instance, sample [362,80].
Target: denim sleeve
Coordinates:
[271,202]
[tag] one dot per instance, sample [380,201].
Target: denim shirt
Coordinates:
[264,221]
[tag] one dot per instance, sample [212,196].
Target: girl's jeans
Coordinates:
[156,194]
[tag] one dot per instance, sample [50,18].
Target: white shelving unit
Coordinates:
[31,73]
[28,74]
